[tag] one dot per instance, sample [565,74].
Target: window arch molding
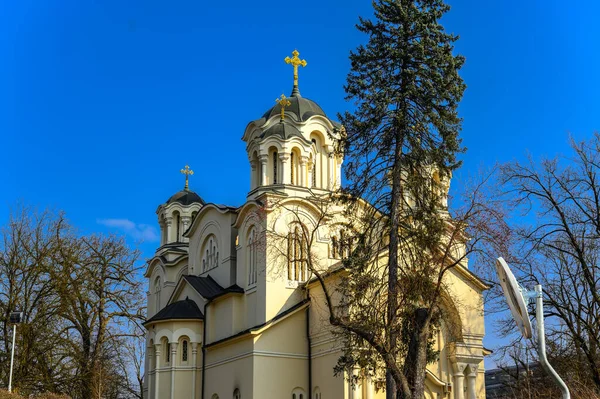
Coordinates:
[185,349]
[297,252]
[157,291]
[209,253]
[298,393]
[252,241]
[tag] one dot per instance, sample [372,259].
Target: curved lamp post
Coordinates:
[517,297]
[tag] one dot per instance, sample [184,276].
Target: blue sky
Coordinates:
[103,102]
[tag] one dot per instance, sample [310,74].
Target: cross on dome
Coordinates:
[187,172]
[283,102]
[296,62]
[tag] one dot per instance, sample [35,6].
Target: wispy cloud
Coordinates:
[143,232]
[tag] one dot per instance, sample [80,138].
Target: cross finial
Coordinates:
[283,102]
[187,172]
[295,61]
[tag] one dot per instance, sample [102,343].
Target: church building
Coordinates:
[234,313]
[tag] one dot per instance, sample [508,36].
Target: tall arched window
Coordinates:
[178,221]
[210,258]
[184,350]
[334,247]
[236,394]
[275,167]
[251,249]
[292,168]
[166,349]
[297,256]
[157,294]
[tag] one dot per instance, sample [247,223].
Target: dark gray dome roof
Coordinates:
[185,309]
[283,130]
[302,107]
[186,197]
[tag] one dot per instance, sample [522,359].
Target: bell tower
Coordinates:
[291,148]
[176,215]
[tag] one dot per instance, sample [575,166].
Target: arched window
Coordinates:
[292,168]
[317,393]
[184,350]
[166,349]
[178,221]
[275,167]
[251,249]
[297,256]
[316,147]
[345,245]
[236,394]
[157,294]
[215,396]
[298,393]
[210,258]
[334,247]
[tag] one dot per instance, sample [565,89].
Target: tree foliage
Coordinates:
[401,147]
[81,302]
[555,243]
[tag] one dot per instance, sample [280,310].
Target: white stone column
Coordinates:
[286,172]
[310,173]
[303,162]
[169,223]
[194,361]
[370,388]
[354,391]
[330,172]
[263,169]
[173,363]
[459,380]
[472,382]
[149,356]
[253,174]
[186,221]
[157,348]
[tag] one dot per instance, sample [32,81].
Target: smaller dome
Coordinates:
[186,197]
[283,130]
[302,107]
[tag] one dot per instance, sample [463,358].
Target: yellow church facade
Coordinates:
[234,313]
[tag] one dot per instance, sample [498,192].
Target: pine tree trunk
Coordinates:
[393,261]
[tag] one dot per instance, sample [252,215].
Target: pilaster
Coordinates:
[157,348]
[284,157]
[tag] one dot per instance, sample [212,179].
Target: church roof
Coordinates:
[186,309]
[283,130]
[302,107]
[186,197]
[209,288]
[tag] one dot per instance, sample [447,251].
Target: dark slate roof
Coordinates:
[283,130]
[209,288]
[186,197]
[186,309]
[302,107]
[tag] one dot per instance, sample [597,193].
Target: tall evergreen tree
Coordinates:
[401,141]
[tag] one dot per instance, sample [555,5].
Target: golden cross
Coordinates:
[295,61]
[283,102]
[187,172]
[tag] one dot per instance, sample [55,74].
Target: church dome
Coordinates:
[302,107]
[186,197]
[283,130]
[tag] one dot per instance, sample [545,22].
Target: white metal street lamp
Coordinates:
[15,318]
[517,297]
